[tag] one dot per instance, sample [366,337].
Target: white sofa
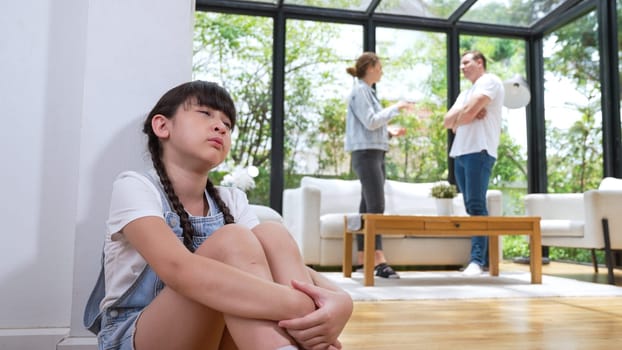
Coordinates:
[577,220]
[314,214]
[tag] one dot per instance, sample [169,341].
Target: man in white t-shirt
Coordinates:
[475,118]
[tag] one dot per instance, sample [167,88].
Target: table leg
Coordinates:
[369,250]
[535,251]
[493,255]
[347,251]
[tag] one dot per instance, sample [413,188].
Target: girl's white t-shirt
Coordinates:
[135,196]
[481,134]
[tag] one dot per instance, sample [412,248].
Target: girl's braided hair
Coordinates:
[198,92]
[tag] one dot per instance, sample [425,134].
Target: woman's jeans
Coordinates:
[370,169]
[472,173]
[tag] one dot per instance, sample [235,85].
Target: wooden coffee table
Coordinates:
[443,226]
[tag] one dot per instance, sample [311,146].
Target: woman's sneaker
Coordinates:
[385,271]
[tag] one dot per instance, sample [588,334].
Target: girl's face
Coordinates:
[198,137]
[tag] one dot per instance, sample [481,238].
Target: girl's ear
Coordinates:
[159,124]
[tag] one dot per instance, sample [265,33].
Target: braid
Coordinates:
[187,229]
[211,190]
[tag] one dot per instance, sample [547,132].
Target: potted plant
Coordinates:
[444,192]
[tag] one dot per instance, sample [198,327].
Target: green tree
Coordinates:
[330,139]
[236,51]
[574,156]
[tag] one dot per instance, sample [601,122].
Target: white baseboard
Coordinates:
[78,343]
[31,338]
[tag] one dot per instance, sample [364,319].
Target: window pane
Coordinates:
[415,65]
[316,87]
[236,52]
[337,4]
[421,8]
[508,12]
[572,107]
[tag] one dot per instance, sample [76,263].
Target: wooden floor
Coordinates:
[537,323]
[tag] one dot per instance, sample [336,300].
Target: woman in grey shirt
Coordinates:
[367,138]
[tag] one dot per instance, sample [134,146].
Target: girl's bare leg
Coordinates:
[227,342]
[173,321]
[282,253]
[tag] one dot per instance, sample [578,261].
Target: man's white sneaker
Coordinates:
[472,270]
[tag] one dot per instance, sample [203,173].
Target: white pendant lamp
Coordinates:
[517,93]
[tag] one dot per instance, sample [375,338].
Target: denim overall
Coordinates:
[114,326]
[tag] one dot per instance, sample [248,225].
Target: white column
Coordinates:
[78,76]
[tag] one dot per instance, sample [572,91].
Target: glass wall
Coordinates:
[572,99]
[316,87]
[415,69]
[573,107]
[236,52]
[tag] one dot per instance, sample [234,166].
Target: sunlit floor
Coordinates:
[533,323]
[581,272]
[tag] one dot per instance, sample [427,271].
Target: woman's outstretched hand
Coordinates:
[405,105]
[320,329]
[396,130]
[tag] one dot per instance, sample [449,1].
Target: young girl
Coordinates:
[187,265]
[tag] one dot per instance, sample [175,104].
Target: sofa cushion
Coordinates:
[408,198]
[610,183]
[266,213]
[337,196]
[562,228]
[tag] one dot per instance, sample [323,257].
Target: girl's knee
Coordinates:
[229,240]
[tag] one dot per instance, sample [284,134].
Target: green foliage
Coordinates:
[236,51]
[514,246]
[575,163]
[443,190]
[330,138]
[517,246]
[511,163]
[574,156]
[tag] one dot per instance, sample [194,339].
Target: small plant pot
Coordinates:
[444,206]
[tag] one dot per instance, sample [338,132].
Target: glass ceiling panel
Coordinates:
[522,13]
[360,5]
[269,1]
[419,8]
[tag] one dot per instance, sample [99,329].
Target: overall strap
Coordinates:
[92,314]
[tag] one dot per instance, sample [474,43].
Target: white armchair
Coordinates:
[591,220]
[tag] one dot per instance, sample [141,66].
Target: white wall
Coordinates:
[76,79]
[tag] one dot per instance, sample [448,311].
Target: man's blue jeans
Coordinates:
[472,172]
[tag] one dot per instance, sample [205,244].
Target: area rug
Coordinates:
[420,285]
